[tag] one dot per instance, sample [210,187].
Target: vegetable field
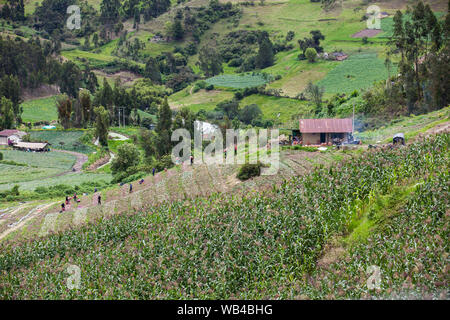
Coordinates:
[357,72]
[65,140]
[58,160]
[237,81]
[70,179]
[262,245]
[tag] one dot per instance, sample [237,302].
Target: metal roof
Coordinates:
[10,132]
[30,145]
[326,125]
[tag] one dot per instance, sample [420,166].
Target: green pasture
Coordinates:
[358,72]
[42,109]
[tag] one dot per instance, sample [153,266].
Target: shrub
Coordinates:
[311,54]
[1,156]
[249,170]
[209,87]
[15,190]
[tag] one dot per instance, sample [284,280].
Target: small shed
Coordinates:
[339,56]
[31,146]
[11,136]
[325,131]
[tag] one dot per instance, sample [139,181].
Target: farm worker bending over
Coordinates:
[63,207]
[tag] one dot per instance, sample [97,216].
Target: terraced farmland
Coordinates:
[229,240]
[182,182]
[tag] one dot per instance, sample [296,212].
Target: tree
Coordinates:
[250,113]
[147,143]
[229,108]
[64,107]
[388,65]
[290,35]
[102,125]
[210,61]
[95,39]
[152,70]
[104,96]
[164,117]
[127,156]
[178,122]
[85,106]
[314,93]
[137,18]
[265,55]
[312,42]
[10,89]
[70,80]
[311,54]
[177,30]
[6,113]
[87,44]
[109,12]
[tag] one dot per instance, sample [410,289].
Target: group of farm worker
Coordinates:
[67,202]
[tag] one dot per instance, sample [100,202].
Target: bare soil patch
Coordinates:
[44,91]
[126,77]
[369,33]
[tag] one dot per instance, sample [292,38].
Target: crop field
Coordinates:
[11,174]
[259,246]
[410,126]
[410,256]
[57,160]
[239,81]
[201,99]
[70,140]
[387,24]
[357,72]
[280,109]
[34,168]
[43,109]
[70,179]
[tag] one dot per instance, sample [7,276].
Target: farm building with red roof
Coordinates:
[324,131]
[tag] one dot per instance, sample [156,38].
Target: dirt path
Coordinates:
[81,159]
[112,156]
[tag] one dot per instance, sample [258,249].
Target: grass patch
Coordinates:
[358,72]
[42,109]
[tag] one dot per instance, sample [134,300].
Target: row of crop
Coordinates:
[255,246]
[410,253]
